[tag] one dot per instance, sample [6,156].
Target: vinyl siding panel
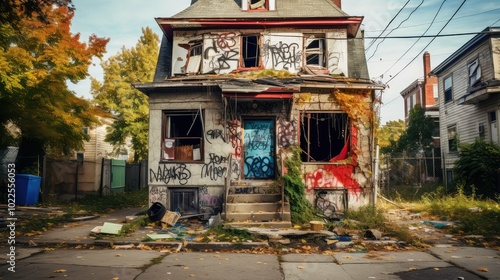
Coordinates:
[466,118]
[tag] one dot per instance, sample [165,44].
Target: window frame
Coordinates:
[448,91]
[308,156]
[320,51]
[244,57]
[476,75]
[452,136]
[166,151]
[258,8]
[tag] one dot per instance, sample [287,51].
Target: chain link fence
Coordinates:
[414,174]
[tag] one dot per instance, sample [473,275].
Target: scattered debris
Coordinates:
[162,236]
[84,218]
[439,224]
[373,234]
[170,218]
[111,228]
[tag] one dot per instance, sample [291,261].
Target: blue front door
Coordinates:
[259,148]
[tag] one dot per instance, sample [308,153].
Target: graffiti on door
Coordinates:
[259,149]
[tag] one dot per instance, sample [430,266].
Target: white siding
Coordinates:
[466,117]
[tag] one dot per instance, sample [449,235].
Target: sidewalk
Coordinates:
[478,261]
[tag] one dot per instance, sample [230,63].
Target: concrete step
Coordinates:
[256,217]
[249,198]
[256,207]
[254,187]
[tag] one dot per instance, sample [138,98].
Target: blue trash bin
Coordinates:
[27,189]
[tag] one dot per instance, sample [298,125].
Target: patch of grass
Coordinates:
[95,203]
[223,234]
[472,215]
[139,222]
[366,217]
[90,204]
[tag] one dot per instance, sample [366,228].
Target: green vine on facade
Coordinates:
[295,191]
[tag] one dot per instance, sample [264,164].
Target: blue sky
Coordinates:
[122,20]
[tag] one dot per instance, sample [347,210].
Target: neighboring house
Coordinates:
[94,151]
[424,91]
[469,95]
[239,82]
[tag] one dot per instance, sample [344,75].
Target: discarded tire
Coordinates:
[156,211]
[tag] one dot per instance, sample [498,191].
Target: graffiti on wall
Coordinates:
[222,51]
[209,204]
[216,167]
[234,137]
[321,179]
[286,56]
[332,176]
[167,173]
[158,194]
[333,63]
[287,132]
[214,134]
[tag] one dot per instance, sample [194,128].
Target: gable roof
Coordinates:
[288,14]
[284,9]
[458,54]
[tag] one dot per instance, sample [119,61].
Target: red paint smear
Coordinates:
[344,173]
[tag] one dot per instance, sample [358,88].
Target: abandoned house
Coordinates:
[241,87]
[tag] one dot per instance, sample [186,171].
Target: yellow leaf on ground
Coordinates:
[60,270]
[484,269]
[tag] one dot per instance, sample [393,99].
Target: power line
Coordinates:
[414,10]
[416,25]
[414,43]
[392,78]
[387,26]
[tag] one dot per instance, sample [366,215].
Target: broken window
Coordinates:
[194,57]
[474,72]
[324,135]
[250,51]
[257,4]
[315,47]
[182,135]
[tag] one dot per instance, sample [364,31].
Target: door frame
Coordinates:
[272,147]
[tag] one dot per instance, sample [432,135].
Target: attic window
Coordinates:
[474,72]
[257,5]
[324,136]
[250,51]
[315,47]
[194,59]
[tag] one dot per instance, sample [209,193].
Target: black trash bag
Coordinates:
[156,212]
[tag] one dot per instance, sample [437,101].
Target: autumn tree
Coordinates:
[416,138]
[389,133]
[117,95]
[37,59]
